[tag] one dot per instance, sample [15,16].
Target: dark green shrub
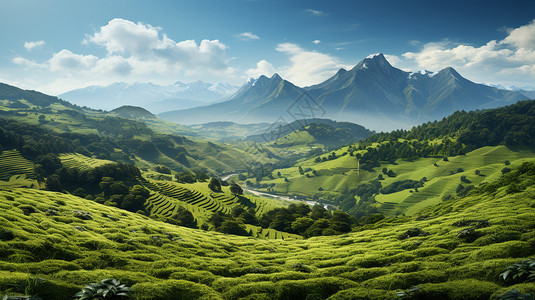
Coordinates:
[6,235]
[105,289]
[27,209]
[523,271]
[468,235]
[412,233]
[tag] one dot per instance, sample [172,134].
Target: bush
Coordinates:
[171,289]
[412,233]
[6,235]
[459,290]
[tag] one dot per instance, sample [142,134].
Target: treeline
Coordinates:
[298,219]
[512,125]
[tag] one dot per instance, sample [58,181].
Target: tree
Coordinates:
[214,185]
[53,183]
[235,189]
[185,217]
[233,227]
[237,211]
[300,225]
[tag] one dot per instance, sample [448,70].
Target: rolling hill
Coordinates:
[440,159]
[53,244]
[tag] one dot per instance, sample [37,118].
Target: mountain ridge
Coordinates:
[372,93]
[158,97]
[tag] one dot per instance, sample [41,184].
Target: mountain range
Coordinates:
[158,98]
[373,93]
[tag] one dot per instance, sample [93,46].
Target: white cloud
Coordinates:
[247,36]
[263,67]
[31,45]
[510,61]
[307,67]
[65,60]
[317,13]
[316,42]
[134,52]
[522,37]
[123,36]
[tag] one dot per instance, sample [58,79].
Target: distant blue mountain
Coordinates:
[157,98]
[373,93]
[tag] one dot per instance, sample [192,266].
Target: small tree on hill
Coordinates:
[235,189]
[214,185]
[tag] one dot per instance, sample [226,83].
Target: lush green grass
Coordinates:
[81,162]
[12,163]
[340,175]
[160,260]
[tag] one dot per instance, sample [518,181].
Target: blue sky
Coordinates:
[56,46]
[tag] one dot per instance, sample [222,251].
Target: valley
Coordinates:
[313,208]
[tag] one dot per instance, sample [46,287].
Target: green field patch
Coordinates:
[12,163]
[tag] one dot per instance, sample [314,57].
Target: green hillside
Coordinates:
[52,244]
[477,146]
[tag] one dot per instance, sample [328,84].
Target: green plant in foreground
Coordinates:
[523,271]
[105,289]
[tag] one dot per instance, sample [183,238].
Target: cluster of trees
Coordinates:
[297,218]
[512,125]
[303,220]
[330,156]
[402,185]
[394,149]
[110,184]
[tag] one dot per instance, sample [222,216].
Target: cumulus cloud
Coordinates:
[522,37]
[263,67]
[31,45]
[307,67]
[510,61]
[247,36]
[317,13]
[126,37]
[316,42]
[137,50]
[65,60]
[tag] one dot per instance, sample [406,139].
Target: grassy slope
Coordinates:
[338,176]
[155,257]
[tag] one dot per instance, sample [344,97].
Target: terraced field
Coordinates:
[81,162]
[444,179]
[211,202]
[339,176]
[12,163]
